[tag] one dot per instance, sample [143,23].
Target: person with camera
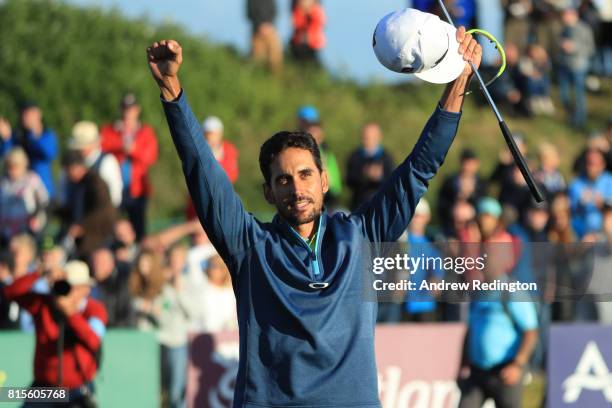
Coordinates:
[69,331]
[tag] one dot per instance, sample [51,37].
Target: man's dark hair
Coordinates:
[72,157]
[285,140]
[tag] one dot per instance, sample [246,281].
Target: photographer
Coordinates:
[68,324]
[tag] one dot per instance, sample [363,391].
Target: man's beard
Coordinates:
[296,220]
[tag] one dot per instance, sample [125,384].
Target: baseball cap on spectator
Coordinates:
[212,124]
[128,101]
[77,273]
[84,133]
[309,114]
[422,208]
[490,206]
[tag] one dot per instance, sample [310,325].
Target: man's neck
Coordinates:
[307,231]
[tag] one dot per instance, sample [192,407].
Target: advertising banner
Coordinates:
[579,364]
[417,366]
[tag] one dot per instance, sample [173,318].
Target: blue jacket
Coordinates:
[303,346]
[41,152]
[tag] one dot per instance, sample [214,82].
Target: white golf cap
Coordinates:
[77,273]
[411,41]
[212,124]
[84,134]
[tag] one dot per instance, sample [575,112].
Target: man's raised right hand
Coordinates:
[165,58]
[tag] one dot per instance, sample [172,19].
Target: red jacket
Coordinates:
[308,27]
[80,340]
[143,156]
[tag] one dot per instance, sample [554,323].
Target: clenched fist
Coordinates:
[165,58]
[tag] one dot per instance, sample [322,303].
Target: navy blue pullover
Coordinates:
[302,345]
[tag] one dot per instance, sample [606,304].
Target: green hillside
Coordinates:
[78,63]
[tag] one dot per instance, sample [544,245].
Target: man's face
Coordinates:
[595,164]
[103,264]
[31,117]
[470,166]
[371,136]
[537,219]
[487,223]
[76,172]
[214,139]
[131,113]
[296,186]
[124,232]
[80,292]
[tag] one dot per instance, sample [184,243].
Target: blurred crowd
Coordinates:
[568,42]
[172,282]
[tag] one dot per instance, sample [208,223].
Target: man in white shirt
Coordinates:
[86,139]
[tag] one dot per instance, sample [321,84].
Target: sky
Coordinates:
[349,29]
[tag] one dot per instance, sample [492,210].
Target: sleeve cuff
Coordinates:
[178,99]
[448,114]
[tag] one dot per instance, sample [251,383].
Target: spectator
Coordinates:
[225,152]
[589,192]
[508,89]
[176,310]
[517,22]
[535,69]
[308,36]
[86,140]
[561,230]
[604,46]
[23,198]
[561,234]
[548,173]
[217,303]
[309,121]
[536,264]
[514,191]
[421,305]
[89,214]
[22,260]
[134,144]
[125,247]
[502,331]
[111,288]
[265,43]
[594,141]
[500,338]
[464,185]
[198,257]
[368,166]
[463,213]
[145,284]
[576,47]
[8,312]
[81,318]
[38,141]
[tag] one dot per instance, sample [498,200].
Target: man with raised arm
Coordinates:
[306,333]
